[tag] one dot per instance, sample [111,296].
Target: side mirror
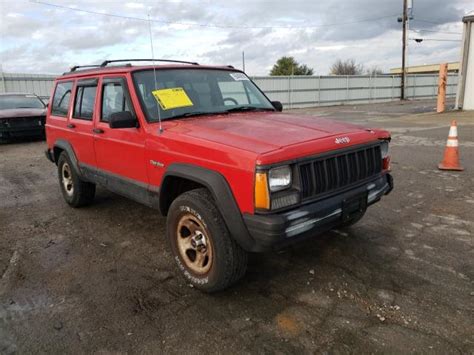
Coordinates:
[278,106]
[122,119]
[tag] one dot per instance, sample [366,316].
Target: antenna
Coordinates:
[154,71]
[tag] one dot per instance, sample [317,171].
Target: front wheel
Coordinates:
[201,243]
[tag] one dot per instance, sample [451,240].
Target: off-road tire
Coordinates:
[228,259]
[82,192]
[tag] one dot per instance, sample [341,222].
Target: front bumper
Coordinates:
[276,230]
[26,128]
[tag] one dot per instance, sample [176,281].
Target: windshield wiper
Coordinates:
[248,108]
[196,113]
[204,113]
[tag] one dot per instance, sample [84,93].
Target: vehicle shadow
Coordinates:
[21,140]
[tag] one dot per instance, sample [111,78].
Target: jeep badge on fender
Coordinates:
[342,140]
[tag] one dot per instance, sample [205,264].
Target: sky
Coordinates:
[50,36]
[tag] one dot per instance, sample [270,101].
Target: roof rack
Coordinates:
[106,62]
[74,68]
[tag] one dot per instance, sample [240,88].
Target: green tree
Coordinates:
[289,66]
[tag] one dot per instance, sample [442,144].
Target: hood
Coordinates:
[22,112]
[264,132]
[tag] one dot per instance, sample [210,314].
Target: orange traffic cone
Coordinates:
[451,153]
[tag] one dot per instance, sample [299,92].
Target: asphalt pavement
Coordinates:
[101,279]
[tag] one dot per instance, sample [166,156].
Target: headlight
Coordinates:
[279,178]
[384,149]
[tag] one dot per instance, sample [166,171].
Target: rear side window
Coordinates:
[84,102]
[113,100]
[61,99]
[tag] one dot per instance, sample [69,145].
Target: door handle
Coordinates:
[71,125]
[98,130]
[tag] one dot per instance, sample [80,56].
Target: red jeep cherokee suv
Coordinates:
[210,151]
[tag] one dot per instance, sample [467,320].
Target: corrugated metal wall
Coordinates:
[307,91]
[293,92]
[38,84]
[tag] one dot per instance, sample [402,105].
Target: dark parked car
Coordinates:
[21,115]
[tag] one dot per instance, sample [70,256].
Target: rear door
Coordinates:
[81,123]
[59,113]
[120,152]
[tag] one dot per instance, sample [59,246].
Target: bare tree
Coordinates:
[374,70]
[346,67]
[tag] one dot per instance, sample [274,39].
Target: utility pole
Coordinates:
[2,78]
[243,61]
[404,49]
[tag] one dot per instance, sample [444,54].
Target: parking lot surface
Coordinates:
[102,279]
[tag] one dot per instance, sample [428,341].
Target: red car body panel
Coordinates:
[120,151]
[232,145]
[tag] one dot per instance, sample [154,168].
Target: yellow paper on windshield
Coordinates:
[172,98]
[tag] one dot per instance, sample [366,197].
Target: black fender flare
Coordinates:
[217,184]
[67,147]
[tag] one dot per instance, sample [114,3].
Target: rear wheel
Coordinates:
[75,191]
[201,244]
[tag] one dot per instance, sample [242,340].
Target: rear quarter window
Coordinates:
[61,99]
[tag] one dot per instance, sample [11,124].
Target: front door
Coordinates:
[120,152]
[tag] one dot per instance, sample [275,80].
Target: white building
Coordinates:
[465,93]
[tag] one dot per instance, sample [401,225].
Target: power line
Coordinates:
[427,21]
[434,31]
[434,39]
[206,24]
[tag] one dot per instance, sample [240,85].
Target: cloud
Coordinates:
[38,38]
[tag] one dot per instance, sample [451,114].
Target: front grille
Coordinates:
[26,122]
[337,171]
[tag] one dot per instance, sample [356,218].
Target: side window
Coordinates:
[113,100]
[84,102]
[61,99]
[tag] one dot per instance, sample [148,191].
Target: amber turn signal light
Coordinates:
[262,198]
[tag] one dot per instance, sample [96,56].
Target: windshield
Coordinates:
[196,92]
[8,102]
